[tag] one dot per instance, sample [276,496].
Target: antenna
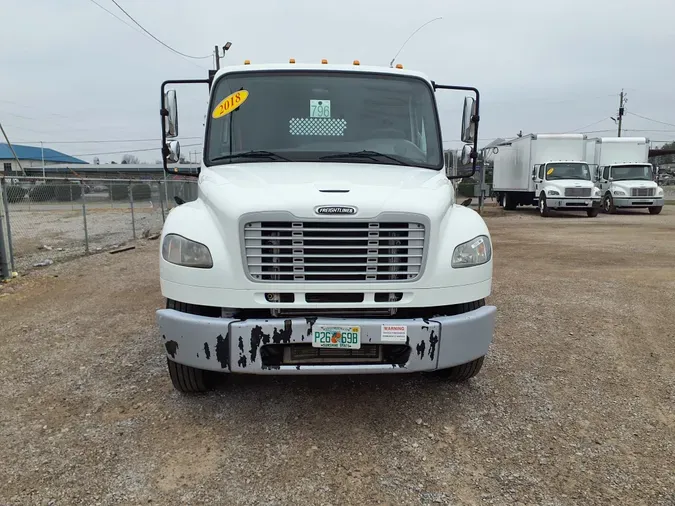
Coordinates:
[391,63]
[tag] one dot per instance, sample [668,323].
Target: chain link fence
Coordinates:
[46,220]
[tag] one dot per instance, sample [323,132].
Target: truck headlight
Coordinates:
[178,250]
[618,192]
[659,191]
[553,192]
[474,252]
[596,192]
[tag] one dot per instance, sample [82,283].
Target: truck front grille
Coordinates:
[305,251]
[577,192]
[642,192]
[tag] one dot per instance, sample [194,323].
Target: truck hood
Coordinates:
[628,184]
[299,187]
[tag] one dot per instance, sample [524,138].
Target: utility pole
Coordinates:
[12,149]
[42,148]
[622,103]
[217,51]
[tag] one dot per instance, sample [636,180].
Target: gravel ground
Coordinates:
[575,403]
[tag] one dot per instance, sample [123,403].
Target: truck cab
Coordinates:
[565,185]
[325,237]
[624,176]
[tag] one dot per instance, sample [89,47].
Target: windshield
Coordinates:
[632,172]
[567,171]
[315,116]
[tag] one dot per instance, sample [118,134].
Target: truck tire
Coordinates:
[608,204]
[188,380]
[543,208]
[592,213]
[655,209]
[510,203]
[462,372]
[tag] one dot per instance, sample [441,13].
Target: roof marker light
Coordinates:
[357,62]
[399,66]
[324,61]
[292,60]
[247,62]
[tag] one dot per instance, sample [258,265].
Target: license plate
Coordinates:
[331,336]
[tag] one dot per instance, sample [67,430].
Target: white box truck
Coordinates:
[325,238]
[545,170]
[624,175]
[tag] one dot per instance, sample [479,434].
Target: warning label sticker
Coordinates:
[394,333]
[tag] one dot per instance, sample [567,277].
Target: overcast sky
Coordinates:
[73,72]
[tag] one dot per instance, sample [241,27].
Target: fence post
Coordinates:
[84,217]
[4,250]
[131,204]
[9,246]
[161,199]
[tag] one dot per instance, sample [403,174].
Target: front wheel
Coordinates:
[592,213]
[608,204]
[189,380]
[655,210]
[543,208]
[462,372]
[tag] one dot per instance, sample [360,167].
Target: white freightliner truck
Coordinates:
[623,174]
[545,170]
[325,238]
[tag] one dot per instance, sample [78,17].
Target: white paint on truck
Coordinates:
[624,175]
[325,238]
[546,170]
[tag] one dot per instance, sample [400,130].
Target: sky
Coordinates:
[86,83]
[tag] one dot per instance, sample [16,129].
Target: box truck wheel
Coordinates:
[189,380]
[608,204]
[509,202]
[543,208]
[592,213]
[462,372]
[655,209]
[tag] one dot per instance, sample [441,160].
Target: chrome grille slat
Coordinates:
[577,192]
[642,192]
[309,251]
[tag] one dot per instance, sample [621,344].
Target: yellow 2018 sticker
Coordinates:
[549,171]
[229,104]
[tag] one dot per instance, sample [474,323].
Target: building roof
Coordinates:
[35,153]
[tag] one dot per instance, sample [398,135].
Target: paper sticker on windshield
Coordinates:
[319,108]
[229,104]
[549,171]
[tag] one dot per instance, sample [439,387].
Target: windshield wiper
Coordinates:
[253,154]
[372,155]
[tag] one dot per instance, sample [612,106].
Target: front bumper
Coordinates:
[573,203]
[234,346]
[639,202]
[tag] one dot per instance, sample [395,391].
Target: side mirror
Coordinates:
[467,155]
[171,118]
[172,151]
[469,121]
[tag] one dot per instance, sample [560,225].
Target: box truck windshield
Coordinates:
[319,116]
[556,171]
[632,173]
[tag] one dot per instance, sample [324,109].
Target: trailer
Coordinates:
[549,171]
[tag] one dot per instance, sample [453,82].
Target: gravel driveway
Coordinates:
[575,403]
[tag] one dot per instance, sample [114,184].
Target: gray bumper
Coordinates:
[638,202]
[572,203]
[225,345]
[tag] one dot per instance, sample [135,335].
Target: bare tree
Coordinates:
[130,159]
[97,161]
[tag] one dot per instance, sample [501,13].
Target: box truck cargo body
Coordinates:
[624,175]
[549,171]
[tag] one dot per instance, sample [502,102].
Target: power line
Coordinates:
[155,38]
[131,150]
[650,119]
[114,15]
[591,124]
